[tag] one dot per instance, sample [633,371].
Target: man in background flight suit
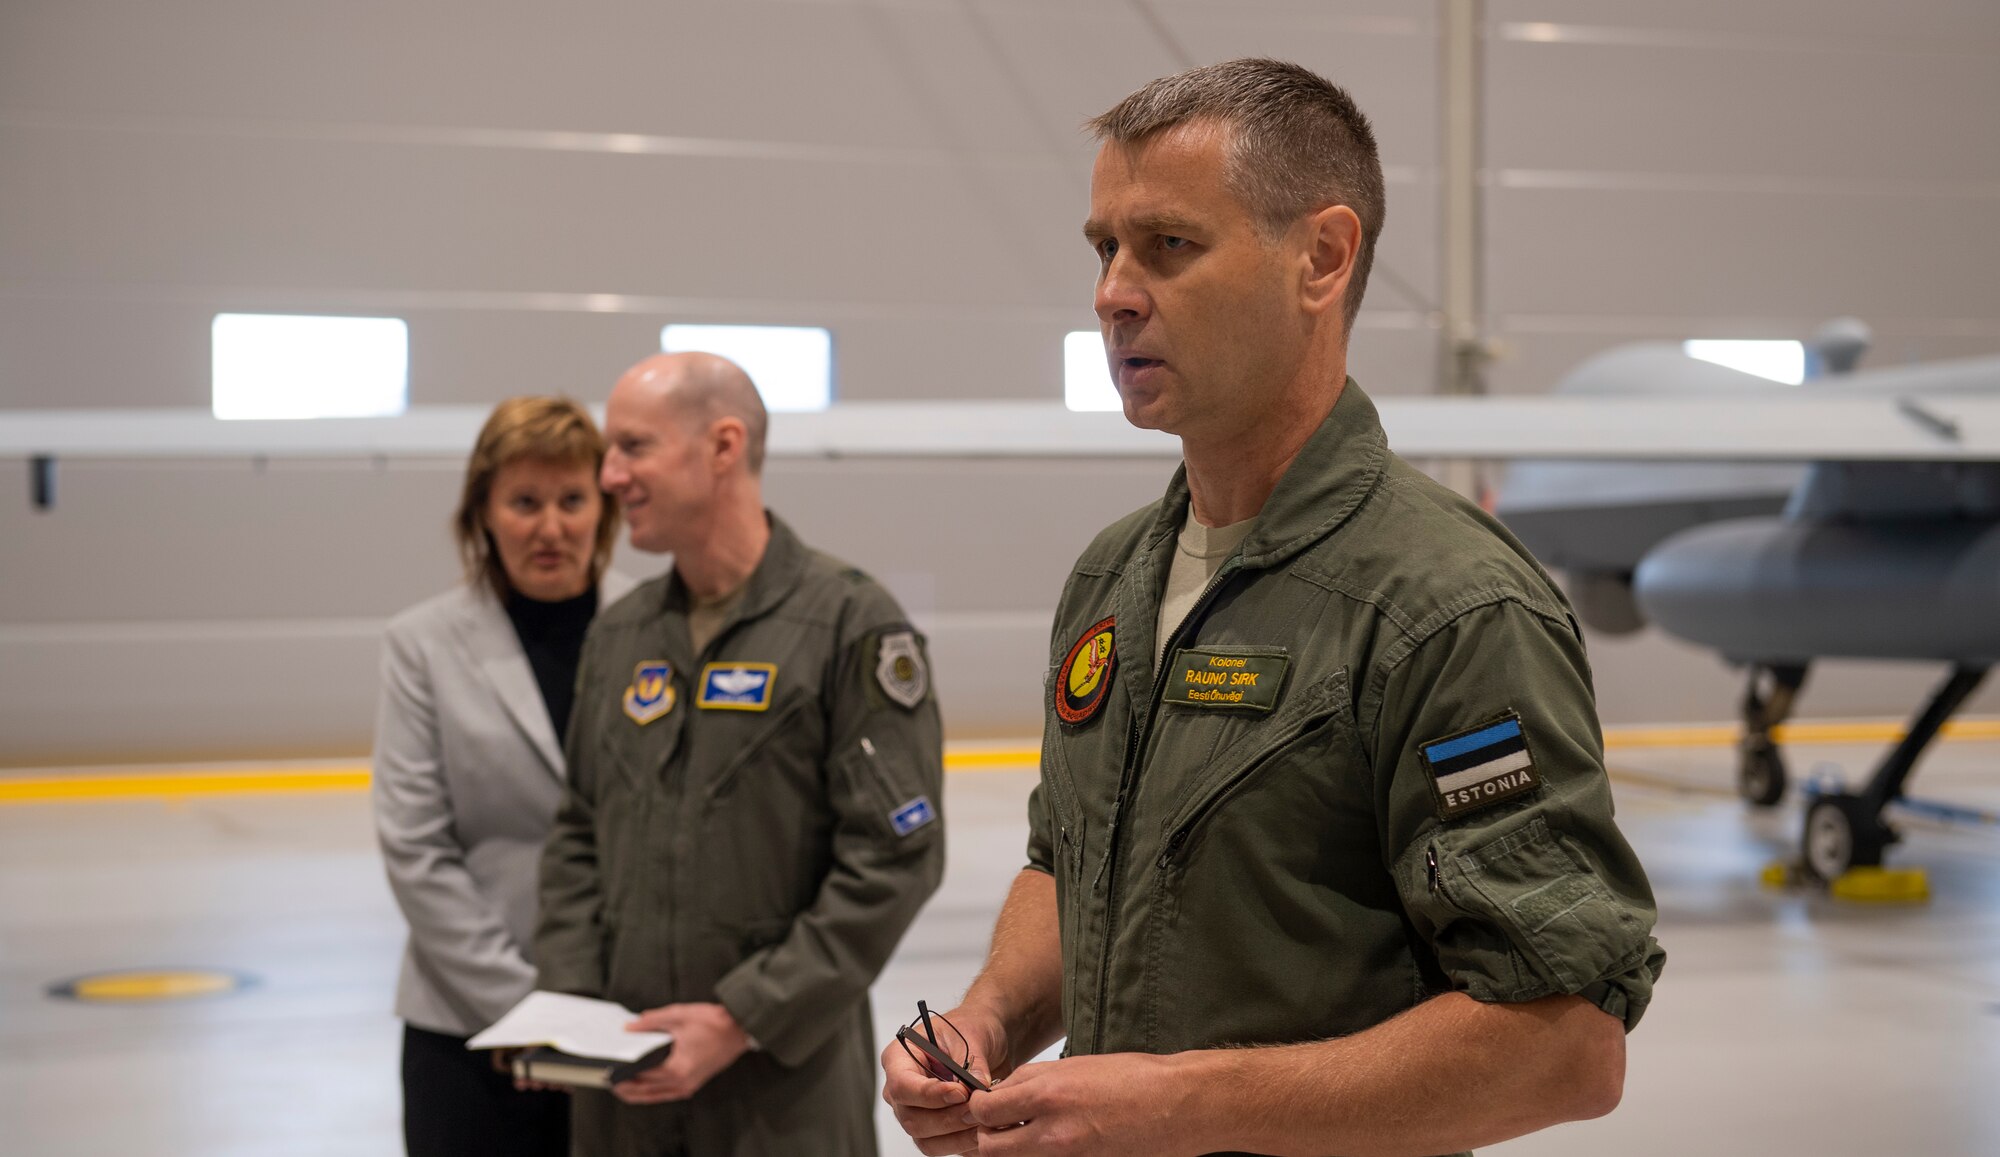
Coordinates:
[752,819]
[1322,858]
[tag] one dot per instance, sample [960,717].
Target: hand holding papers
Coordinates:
[574,1040]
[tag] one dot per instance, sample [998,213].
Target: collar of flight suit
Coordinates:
[777,573]
[1335,471]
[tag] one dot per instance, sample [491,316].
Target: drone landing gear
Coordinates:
[1844,830]
[1760,768]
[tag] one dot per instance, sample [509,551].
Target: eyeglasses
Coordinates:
[936,1044]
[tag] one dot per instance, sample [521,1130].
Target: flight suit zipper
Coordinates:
[1127,780]
[1271,749]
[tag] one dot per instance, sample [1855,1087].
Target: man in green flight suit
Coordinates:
[1322,857]
[751,820]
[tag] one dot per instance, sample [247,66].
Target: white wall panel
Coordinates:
[1706,255]
[537,188]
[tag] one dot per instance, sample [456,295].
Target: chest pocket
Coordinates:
[733,743]
[1268,875]
[1234,769]
[637,753]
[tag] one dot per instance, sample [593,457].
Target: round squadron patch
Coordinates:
[1086,674]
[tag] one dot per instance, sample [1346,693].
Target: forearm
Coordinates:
[1020,987]
[1450,1074]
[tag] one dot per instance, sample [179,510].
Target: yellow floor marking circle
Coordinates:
[144,985]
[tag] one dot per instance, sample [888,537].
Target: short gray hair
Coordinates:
[1297,144]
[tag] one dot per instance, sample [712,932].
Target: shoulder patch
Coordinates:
[1086,673]
[1480,766]
[651,694]
[912,815]
[901,670]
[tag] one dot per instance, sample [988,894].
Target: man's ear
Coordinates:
[728,439]
[1333,242]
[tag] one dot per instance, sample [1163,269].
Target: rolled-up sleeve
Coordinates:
[1535,893]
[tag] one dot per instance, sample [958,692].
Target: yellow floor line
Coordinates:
[178,785]
[182,784]
[993,759]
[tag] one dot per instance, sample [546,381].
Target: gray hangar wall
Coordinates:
[537,189]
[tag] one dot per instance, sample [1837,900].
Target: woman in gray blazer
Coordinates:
[476,689]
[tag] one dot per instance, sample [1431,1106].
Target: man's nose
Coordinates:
[1120,294]
[611,475]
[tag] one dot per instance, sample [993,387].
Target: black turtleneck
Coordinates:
[552,636]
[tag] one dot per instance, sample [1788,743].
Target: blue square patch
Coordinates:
[913,815]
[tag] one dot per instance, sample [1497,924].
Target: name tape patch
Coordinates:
[651,694]
[1226,677]
[1482,766]
[736,686]
[913,815]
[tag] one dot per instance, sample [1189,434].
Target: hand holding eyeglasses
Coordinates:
[928,1097]
[946,1058]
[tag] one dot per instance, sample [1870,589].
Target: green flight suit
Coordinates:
[1253,863]
[755,825]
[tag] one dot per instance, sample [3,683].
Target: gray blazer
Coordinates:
[467,780]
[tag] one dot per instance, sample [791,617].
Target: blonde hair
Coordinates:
[544,429]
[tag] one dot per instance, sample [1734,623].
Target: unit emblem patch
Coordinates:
[1086,673]
[1482,766]
[736,686]
[651,694]
[901,670]
[913,815]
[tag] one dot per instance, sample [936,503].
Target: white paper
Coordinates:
[577,1025]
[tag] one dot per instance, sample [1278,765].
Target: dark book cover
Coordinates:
[555,1067]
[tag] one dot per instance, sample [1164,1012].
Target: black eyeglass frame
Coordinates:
[932,1056]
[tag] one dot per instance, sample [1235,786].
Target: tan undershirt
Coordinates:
[1199,552]
[705,617]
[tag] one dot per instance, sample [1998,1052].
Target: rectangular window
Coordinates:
[1780,361]
[305,367]
[1086,374]
[272,365]
[792,366]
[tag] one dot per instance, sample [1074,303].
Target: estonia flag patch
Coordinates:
[1482,766]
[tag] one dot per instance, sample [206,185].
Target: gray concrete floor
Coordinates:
[1786,1023]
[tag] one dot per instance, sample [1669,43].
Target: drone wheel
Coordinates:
[1760,775]
[1842,832]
